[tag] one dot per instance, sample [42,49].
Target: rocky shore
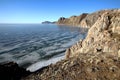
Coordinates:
[97,57]
[84,67]
[11,71]
[84,20]
[103,36]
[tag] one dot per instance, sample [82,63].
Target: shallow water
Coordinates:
[35,45]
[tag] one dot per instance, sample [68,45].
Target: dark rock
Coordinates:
[48,22]
[62,18]
[11,71]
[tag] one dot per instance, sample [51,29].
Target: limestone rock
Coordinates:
[84,67]
[73,20]
[97,57]
[103,36]
[85,20]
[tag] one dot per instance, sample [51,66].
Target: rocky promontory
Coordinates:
[97,57]
[72,21]
[103,36]
[84,20]
[48,22]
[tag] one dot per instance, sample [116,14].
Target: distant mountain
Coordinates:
[48,22]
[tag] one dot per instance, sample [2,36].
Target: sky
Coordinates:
[37,11]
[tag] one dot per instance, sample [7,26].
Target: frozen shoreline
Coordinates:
[40,64]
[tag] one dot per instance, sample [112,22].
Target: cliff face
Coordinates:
[97,57]
[73,20]
[103,36]
[85,20]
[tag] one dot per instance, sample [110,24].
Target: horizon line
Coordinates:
[21,23]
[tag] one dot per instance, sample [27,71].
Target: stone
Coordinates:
[92,58]
[103,36]
[119,53]
[11,71]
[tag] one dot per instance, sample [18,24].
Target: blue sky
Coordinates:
[36,11]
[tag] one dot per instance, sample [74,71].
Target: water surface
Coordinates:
[35,45]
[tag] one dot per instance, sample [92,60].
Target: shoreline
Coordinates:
[95,57]
[39,65]
[90,56]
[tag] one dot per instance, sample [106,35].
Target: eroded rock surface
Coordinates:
[103,36]
[85,20]
[72,21]
[84,67]
[97,57]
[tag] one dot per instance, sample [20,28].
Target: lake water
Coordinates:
[35,45]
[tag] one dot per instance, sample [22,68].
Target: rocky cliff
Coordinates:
[85,20]
[103,36]
[97,57]
[72,21]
